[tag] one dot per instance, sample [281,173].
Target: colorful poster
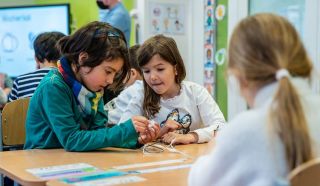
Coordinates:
[209,47]
[167,18]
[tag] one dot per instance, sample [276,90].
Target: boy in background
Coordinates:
[117,105]
[46,57]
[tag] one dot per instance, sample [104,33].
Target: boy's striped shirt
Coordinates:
[25,85]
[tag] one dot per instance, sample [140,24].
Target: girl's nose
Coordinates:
[110,80]
[153,76]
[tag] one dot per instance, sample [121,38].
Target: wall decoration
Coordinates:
[220,56]
[209,46]
[167,18]
[220,12]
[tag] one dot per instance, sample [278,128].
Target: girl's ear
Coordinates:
[82,57]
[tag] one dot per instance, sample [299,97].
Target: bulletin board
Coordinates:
[209,47]
[167,18]
[215,44]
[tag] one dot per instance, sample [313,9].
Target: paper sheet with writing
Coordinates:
[61,171]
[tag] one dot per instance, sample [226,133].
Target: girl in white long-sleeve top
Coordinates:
[281,130]
[185,111]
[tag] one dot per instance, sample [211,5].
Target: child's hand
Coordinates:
[140,123]
[150,135]
[169,126]
[179,138]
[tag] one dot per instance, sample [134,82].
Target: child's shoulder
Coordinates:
[135,88]
[138,84]
[53,79]
[193,87]
[248,123]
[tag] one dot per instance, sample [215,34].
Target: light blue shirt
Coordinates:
[118,17]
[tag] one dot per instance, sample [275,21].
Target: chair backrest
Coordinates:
[13,122]
[306,174]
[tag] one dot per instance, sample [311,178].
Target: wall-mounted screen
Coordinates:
[18,28]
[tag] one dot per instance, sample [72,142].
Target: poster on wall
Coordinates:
[167,18]
[209,47]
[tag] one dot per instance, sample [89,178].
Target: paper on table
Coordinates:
[61,171]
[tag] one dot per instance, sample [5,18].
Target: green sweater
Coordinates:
[53,121]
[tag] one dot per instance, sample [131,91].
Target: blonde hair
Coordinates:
[260,46]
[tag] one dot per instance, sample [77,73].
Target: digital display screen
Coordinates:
[19,26]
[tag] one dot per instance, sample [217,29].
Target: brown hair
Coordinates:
[102,42]
[260,46]
[45,46]
[167,49]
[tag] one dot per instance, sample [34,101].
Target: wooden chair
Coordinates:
[13,123]
[12,126]
[306,174]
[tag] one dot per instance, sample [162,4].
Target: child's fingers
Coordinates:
[157,128]
[162,131]
[140,119]
[154,130]
[167,138]
[140,123]
[142,139]
[172,125]
[145,138]
[139,129]
[153,133]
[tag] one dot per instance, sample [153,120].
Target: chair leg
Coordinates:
[15,184]
[1,179]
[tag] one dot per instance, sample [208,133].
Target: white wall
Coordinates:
[312,37]
[239,9]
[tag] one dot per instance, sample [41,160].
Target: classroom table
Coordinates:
[14,163]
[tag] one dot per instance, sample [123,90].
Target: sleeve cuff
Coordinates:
[203,136]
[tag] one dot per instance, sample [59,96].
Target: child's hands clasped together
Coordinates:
[169,135]
[170,126]
[147,132]
[180,138]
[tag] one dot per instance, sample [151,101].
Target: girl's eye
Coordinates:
[160,69]
[108,72]
[146,71]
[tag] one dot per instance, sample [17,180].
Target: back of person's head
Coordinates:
[100,41]
[260,46]
[167,49]
[45,46]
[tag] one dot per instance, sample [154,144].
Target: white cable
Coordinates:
[171,148]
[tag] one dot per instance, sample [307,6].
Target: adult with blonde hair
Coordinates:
[281,130]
